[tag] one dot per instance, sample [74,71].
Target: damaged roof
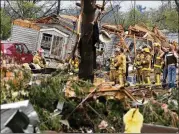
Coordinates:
[69,17]
[60,22]
[113,28]
[142,31]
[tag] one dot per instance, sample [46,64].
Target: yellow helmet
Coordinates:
[157,44]
[146,50]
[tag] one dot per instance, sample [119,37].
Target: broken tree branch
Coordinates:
[49,9]
[83,101]
[14,9]
[100,12]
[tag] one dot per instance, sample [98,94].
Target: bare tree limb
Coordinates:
[14,9]
[49,9]
[8,12]
[20,9]
[108,12]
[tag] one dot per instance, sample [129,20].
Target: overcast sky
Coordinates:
[125,5]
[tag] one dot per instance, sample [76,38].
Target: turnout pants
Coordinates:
[139,76]
[157,72]
[112,75]
[121,77]
[146,77]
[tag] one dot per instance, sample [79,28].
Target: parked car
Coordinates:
[16,51]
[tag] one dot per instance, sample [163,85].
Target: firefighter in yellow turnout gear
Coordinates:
[112,73]
[157,63]
[121,66]
[137,64]
[38,58]
[146,66]
[74,65]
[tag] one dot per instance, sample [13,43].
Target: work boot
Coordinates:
[127,84]
[137,84]
[157,82]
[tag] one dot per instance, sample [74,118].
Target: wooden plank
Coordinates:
[150,128]
[134,46]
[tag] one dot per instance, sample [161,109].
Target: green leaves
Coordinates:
[5,25]
[171,20]
[29,9]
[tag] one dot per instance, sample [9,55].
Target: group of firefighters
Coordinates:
[142,63]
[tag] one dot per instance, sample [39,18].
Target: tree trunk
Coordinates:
[58,7]
[177,4]
[86,45]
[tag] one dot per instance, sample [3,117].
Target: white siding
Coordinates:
[25,35]
[109,48]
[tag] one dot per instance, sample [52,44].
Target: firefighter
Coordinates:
[39,59]
[137,64]
[121,66]
[74,65]
[112,73]
[158,61]
[146,66]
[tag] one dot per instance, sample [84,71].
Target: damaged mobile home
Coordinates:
[55,34]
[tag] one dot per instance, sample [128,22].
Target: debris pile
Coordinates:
[66,104]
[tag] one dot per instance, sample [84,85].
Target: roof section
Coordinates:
[26,23]
[141,31]
[71,18]
[113,28]
[65,21]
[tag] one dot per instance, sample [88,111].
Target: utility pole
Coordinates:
[86,45]
[58,7]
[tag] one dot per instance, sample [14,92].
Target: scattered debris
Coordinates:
[103,125]
[19,117]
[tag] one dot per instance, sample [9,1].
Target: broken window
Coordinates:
[46,41]
[57,46]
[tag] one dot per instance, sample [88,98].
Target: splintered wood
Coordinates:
[105,89]
[26,24]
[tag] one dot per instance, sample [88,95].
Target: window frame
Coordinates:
[18,44]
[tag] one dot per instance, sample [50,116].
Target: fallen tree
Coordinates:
[99,114]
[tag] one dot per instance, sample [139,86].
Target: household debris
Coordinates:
[19,117]
[66,104]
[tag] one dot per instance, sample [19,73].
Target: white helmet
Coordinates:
[40,50]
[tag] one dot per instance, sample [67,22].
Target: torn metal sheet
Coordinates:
[15,112]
